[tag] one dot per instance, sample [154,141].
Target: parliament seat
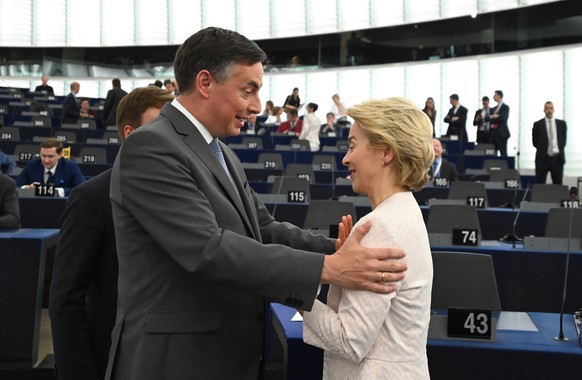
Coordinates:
[464,280]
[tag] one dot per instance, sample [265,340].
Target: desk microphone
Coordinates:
[561,337]
[512,237]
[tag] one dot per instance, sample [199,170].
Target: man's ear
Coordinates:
[203,82]
[127,130]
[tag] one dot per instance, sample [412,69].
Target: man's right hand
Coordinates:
[361,268]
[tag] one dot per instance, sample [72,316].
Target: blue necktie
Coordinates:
[218,153]
[434,168]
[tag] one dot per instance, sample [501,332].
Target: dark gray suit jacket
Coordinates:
[540,139]
[194,264]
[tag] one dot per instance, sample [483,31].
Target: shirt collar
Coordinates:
[201,128]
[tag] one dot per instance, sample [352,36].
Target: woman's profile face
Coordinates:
[363,161]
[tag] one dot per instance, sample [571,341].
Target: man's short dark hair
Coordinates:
[216,50]
[292,111]
[116,83]
[500,93]
[52,143]
[454,96]
[485,98]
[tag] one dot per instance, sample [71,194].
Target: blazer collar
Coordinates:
[196,142]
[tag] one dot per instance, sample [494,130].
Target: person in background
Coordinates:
[457,119]
[198,251]
[499,129]
[293,124]
[83,296]
[312,124]
[483,126]
[9,206]
[112,100]
[7,163]
[85,112]
[382,336]
[549,138]
[292,102]
[44,88]
[51,168]
[338,109]
[268,108]
[442,168]
[430,111]
[276,116]
[171,87]
[330,126]
[70,105]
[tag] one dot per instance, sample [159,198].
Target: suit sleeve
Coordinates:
[80,241]
[107,107]
[534,134]
[10,217]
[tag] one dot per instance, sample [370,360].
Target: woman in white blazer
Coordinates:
[374,336]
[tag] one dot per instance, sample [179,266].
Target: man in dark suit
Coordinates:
[549,138]
[51,168]
[457,119]
[9,206]
[499,129]
[293,125]
[198,251]
[483,127]
[442,168]
[71,108]
[83,296]
[112,100]
[44,88]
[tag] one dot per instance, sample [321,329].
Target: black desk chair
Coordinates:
[285,185]
[462,190]
[561,219]
[271,160]
[494,164]
[10,133]
[550,193]
[444,218]
[301,171]
[65,136]
[321,214]
[503,175]
[464,280]
[92,155]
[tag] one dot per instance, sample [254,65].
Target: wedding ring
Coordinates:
[383,275]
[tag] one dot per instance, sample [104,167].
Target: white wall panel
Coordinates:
[320,87]
[386,13]
[353,15]
[321,16]
[421,10]
[117,23]
[423,81]
[387,82]
[183,24]
[287,18]
[84,31]
[220,13]
[49,31]
[354,85]
[253,20]
[15,23]
[571,111]
[151,22]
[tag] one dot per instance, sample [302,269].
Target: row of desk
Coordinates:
[516,354]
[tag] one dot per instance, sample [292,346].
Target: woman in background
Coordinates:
[431,112]
[292,101]
[383,336]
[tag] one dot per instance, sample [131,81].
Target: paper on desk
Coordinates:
[515,320]
[297,318]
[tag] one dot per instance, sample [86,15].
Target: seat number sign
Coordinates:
[469,323]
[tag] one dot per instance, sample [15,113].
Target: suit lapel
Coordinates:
[200,148]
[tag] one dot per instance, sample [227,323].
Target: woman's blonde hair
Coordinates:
[399,125]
